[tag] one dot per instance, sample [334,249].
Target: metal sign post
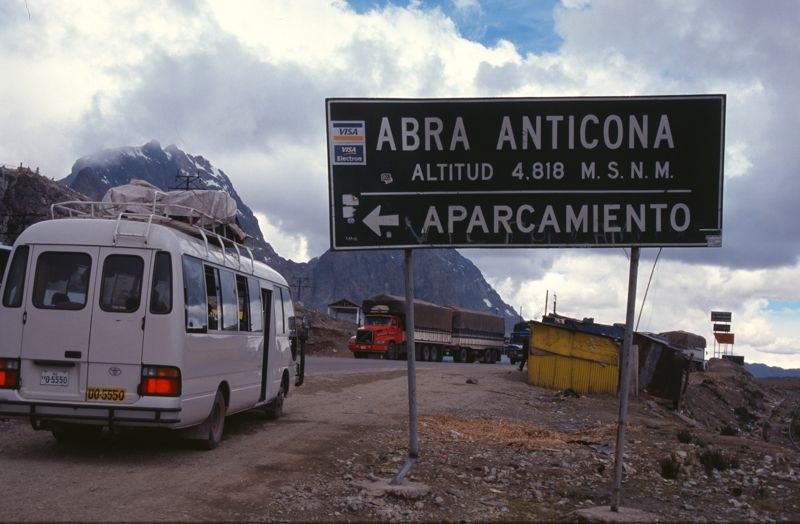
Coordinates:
[411,357]
[625,377]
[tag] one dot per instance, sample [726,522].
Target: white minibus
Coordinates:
[140,319]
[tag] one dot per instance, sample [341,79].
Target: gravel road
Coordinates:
[492,448]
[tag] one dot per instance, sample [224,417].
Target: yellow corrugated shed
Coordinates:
[563,358]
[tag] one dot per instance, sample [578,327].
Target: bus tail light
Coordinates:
[9,373]
[162,381]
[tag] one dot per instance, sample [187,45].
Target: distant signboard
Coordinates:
[720,316]
[724,338]
[527,172]
[722,328]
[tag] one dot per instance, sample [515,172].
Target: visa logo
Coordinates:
[348,131]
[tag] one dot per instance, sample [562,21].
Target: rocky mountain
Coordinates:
[25,198]
[442,276]
[166,168]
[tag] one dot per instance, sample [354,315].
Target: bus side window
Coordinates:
[230,310]
[212,296]
[244,303]
[288,306]
[256,308]
[161,292]
[280,324]
[194,293]
[15,283]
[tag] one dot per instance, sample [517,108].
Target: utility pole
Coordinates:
[186,180]
[300,283]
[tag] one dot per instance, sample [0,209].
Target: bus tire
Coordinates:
[77,434]
[214,425]
[275,408]
[391,351]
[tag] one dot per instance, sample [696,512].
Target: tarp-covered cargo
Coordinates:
[215,207]
[426,314]
[470,321]
[684,339]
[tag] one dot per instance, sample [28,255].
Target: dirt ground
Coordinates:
[492,448]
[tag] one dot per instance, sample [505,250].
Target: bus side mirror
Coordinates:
[299,327]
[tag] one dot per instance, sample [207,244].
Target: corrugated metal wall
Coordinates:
[563,358]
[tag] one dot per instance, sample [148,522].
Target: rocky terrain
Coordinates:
[542,455]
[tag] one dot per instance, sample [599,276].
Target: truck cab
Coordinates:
[381,333]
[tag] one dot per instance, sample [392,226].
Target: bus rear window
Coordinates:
[121,288]
[62,280]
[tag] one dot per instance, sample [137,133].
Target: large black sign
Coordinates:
[721,316]
[594,172]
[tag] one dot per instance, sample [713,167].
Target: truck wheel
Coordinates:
[470,356]
[426,353]
[391,351]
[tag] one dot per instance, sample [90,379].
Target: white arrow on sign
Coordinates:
[374,220]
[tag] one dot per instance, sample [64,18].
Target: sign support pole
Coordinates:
[625,377]
[411,356]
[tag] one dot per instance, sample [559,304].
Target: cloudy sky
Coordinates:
[243,83]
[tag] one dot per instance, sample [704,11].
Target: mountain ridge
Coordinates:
[441,275]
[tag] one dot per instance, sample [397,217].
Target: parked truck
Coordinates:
[464,334]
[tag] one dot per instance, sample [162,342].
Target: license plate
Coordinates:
[105,394]
[53,377]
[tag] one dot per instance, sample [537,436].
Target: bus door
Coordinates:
[57,316]
[266,301]
[118,323]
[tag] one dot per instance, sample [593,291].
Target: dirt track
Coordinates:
[495,450]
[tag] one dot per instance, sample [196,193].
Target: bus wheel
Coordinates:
[275,408]
[215,423]
[77,434]
[391,351]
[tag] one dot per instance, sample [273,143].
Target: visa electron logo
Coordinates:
[348,143]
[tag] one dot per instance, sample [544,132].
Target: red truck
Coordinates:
[464,334]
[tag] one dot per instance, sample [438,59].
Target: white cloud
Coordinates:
[294,247]
[243,84]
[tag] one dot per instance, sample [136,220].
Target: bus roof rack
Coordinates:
[213,231]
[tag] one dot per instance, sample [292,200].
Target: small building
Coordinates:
[345,309]
[564,357]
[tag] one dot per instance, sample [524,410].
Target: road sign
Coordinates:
[721,316]
[724,338]
[595,172]
[722,328]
